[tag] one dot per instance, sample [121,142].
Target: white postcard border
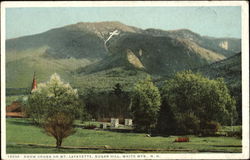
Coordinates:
[245,79]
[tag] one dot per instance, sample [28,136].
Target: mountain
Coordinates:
[60,50]
[156,55]
[86,55]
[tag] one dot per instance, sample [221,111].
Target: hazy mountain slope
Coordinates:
[61,50]
[61,43]
[21,66]
[225,46]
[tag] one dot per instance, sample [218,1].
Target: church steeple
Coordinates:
[34,83]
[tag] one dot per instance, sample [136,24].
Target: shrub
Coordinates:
[187,124]
[210,128]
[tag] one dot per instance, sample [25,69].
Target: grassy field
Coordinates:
[21,132]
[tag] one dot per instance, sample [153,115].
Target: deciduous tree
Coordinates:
[59,126]
[194,97]
[146,105]
[52,97]
[54,106]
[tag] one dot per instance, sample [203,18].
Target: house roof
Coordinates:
[14,107]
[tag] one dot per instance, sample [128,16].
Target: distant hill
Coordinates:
[81,54]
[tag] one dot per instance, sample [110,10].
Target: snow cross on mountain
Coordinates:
[111,34]
[115,32]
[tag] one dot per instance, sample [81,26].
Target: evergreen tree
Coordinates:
[118,89]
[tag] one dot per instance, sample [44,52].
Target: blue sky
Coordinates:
[210,21]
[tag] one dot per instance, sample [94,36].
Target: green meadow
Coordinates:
[23,137]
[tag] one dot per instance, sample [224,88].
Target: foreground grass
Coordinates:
[21,131]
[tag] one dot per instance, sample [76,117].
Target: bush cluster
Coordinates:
[193,104]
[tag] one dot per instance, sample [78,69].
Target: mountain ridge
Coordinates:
[81,49]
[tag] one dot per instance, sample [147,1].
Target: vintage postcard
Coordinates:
[125,80]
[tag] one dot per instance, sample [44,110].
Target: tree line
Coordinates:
[188,103]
